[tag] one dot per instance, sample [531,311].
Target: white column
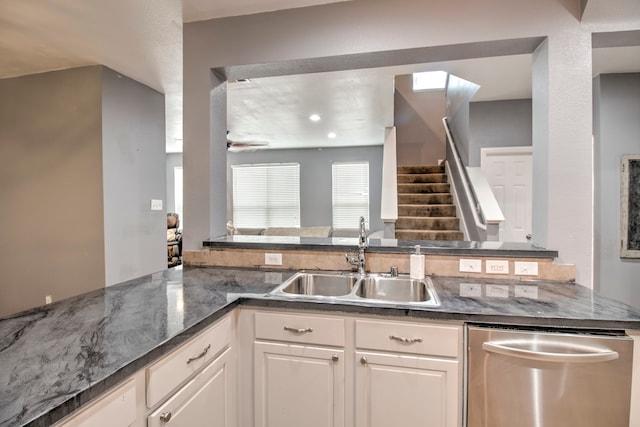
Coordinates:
[389,196]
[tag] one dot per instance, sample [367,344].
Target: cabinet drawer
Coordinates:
[167,374]
[300,328]
[435,340]
[204,401]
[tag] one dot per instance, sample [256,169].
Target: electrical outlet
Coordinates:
[48,299]
[497,267]
[470,265]
[273,259]
[525,268]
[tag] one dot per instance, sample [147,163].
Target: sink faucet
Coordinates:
[363,244]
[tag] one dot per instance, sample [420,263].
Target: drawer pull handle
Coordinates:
[405,340]
[298,330]
[165,417]
[335,358]
[363,360]
[201,355]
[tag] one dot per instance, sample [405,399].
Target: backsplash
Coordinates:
[441,265]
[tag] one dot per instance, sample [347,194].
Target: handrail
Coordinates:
[469,194]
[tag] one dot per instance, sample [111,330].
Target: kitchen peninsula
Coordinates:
[55,359]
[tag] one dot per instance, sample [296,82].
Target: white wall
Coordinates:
[616,132]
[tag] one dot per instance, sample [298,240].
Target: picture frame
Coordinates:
[630,206]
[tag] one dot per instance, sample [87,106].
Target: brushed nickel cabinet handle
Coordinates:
[363,360]
[298,330]
[335,358]
[165,417]
[405,340]
[201,355]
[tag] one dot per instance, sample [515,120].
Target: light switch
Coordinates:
[156,204]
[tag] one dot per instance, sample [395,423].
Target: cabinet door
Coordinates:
[206,401]
[298,385]
[116,409]
[405,390]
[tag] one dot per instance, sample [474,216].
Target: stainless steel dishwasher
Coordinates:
[539,378]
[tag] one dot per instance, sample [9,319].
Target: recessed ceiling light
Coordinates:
[314,118]
[332,135]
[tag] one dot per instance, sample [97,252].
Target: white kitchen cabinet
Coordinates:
[334,370]
[407,374]
[298,370]
[405,390]
[297,385]
[206,401]
[195,385]
[117,408]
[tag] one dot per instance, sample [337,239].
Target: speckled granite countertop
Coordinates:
[56,358]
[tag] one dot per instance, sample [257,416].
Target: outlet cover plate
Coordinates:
[470,265]
[272,259]
[497,267]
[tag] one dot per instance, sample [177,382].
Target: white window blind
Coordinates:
[350,194]
[266,195]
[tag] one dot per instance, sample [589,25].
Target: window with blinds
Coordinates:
[350,191]
[266,195]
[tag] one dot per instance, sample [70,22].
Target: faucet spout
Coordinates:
[363,243]
[362,236]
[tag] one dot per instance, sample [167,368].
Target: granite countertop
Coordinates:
[58,357]
[459,248]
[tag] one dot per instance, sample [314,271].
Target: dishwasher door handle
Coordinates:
[585,354]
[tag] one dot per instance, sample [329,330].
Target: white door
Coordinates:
[508,170]
[407,391]
[297,385]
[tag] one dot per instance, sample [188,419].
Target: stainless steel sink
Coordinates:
[320,284]
[397,289]
[352,287]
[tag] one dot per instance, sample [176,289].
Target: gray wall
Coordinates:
[301,40]
[50,187]
[616,132]
[420,135]
[505,123]
[458,95]
[173,160]
[134,172]
[315,178]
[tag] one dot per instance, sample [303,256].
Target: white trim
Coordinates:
[504,151]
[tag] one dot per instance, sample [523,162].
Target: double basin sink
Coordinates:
[380,288]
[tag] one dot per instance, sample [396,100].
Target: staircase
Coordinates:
[425,205]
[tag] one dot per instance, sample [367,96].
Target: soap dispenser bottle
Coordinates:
[416,264]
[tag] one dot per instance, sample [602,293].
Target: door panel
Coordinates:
[298,386]
[508,171]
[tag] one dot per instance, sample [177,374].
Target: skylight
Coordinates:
[429,80]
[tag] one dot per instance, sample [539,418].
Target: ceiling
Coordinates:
[143,40]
